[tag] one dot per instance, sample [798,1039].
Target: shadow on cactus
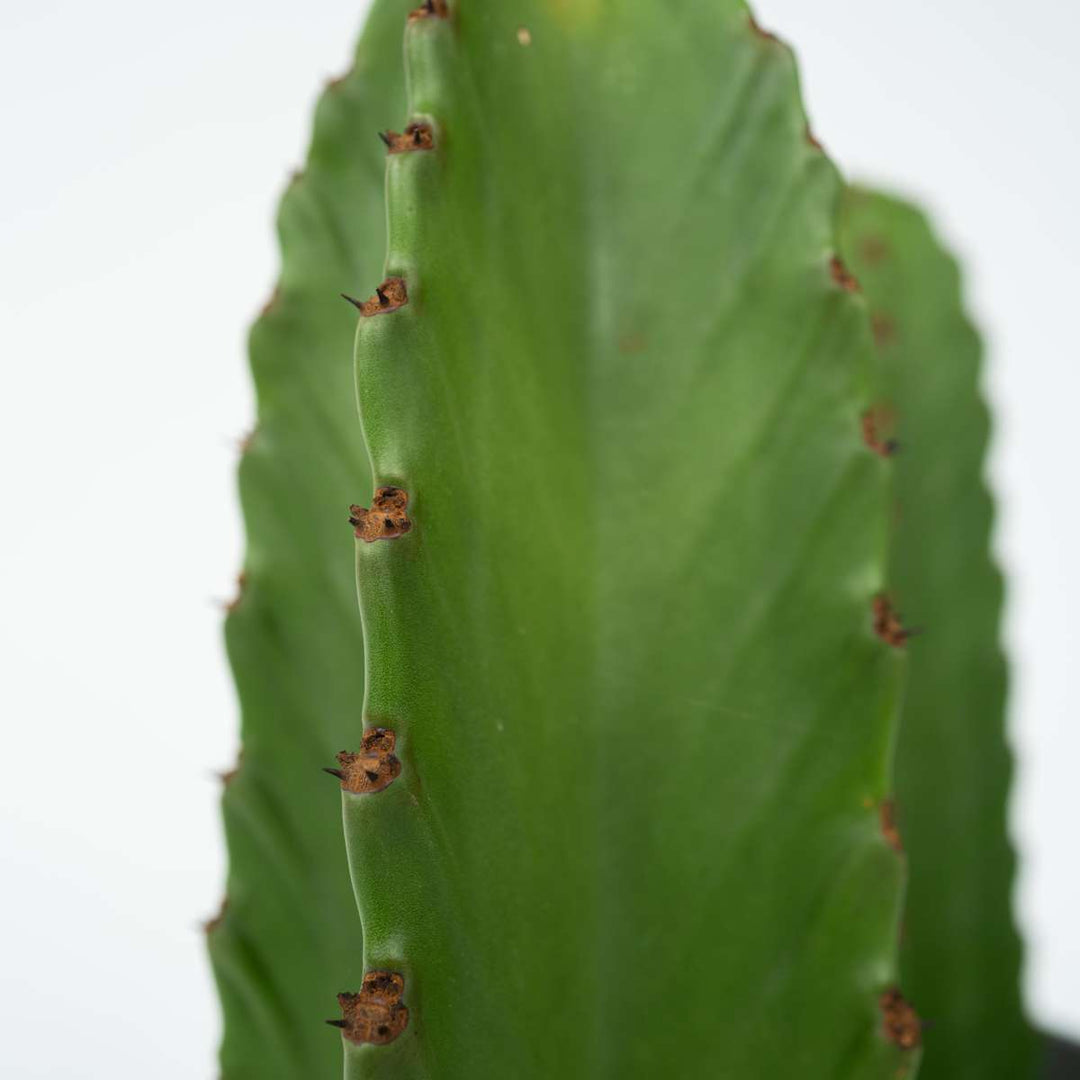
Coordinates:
[663,440]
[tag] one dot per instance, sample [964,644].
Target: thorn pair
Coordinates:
[376,1014]
[389,296]
[418,136]
[431,9]
[887,623]
[843,276]
[374,768]
[386,520]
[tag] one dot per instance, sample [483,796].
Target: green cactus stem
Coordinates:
[631,647]
[615,742]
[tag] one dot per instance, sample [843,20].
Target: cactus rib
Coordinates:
[960,956]
[289,937]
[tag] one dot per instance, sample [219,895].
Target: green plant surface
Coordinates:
[960,957]
[627,647]
[289,936]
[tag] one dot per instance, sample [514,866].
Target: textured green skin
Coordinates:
[627,647]
[960,959]
[290,937]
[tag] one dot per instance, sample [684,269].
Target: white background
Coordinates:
[143,149]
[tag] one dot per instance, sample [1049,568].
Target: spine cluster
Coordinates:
[377,1014]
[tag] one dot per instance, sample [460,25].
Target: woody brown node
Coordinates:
[887,623]
[389,296]
[376,1014]
[900,1022]
[430,9]
[876,423]
[843,276]
[386,520]
[417,136]
[373,768]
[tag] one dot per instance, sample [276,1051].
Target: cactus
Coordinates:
[616,797]
[960,957]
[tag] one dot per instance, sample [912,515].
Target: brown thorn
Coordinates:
[217,919]
[376,1014]
[874,421]
[889,827]
[386,520]
[883,327]
[887,624]
[241,586]
[842,276]
[389,296]
[900,1022]
[272,302]
[765,35]
[431,9]
[374,768]
[417,136]
[229,775]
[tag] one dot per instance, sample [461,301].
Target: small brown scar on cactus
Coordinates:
[389,296]
[335,81]
[374,768]
[887,624]
[900,1022]
[889,827]
[524,37]
[843,276]
[811,140]
[375,1014]
[418,136]
[386,520]
[241,584]
[875,422]
[217,919]
[229,775]
[272,302]
[765,35]
[874,249]
[883,328]
[430,9]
